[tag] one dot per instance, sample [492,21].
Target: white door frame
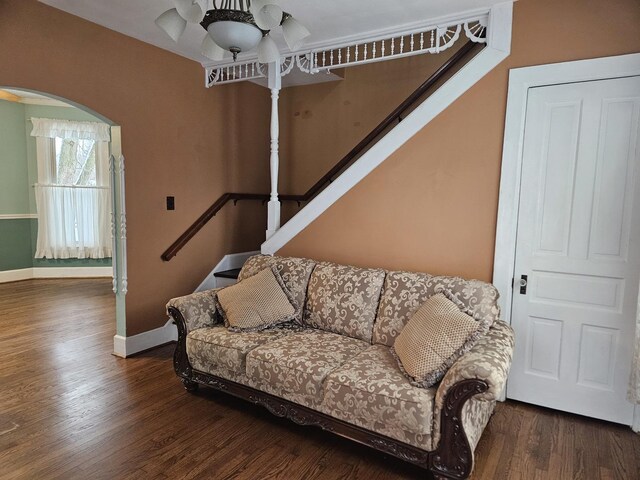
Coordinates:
[520,81]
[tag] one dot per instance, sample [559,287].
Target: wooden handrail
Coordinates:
[205,217]
[393,117]
[386,123]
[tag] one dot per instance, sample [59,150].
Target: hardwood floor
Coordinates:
[71,410]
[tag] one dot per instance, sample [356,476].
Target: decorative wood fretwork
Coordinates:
[452,459]
[241,71]
[429,39]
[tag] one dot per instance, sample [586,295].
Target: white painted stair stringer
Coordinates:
[228,262]
[497,49]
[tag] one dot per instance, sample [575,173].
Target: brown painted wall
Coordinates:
[320,124]
[432,206]
[178,139]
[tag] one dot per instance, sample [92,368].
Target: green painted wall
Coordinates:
[14,180]
[15,244]
[18,172]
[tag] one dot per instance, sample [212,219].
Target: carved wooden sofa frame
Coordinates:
[452,459]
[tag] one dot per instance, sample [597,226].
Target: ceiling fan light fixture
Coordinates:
[235,37]
[191,10]
[234,26]
[211,49]
[268,51]
[268,17]
[172,24]
[294,33]
[257,5]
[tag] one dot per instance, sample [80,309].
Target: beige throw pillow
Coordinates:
[256,303]
[437,334]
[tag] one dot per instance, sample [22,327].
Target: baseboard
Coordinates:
[126,346]
[228,262]
[16,275]
[55,272]
[635,426]
[72,272]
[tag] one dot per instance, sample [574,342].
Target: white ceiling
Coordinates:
[328,20]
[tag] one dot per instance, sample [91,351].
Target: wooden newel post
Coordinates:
[275,83]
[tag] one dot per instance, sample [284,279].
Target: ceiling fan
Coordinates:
[234,26]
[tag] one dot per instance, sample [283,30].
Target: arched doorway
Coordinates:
[42,104]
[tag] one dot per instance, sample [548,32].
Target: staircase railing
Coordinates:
[393,117]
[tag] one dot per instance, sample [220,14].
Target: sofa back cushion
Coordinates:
[343,299]
[405,292]
[295,273]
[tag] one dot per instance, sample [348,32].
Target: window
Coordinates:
[72,193]
[75,162]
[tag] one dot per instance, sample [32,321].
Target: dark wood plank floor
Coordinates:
[71,410]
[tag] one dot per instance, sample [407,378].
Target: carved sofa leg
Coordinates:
[189,385]
[453,459]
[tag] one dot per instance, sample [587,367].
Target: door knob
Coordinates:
[523,284]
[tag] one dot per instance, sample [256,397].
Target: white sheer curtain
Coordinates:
[72,193]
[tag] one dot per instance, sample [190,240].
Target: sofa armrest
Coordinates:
[488,360]
[198,310]
[465,400]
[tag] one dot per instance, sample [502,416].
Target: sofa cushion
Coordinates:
[216,350]
[343,299]
[370,391]
[294,367]
[405,292]
[435,337]
[256,303]
[295,273]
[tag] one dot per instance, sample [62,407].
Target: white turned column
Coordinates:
[275,83]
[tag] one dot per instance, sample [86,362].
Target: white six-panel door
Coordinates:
[578,244]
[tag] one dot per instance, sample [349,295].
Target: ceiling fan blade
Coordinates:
[257,5]
[268,51]
[294,33]
[191,10]
[172,24]
[269,17]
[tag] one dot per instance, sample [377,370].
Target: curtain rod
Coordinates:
[69,186]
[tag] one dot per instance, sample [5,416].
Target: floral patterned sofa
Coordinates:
[333,368]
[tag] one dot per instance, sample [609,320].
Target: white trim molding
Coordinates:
[16,275]
[55,272]
[497,49]
[126,346]
[18,216]
[520,81]
[45,102]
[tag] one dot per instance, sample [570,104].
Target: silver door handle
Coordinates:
[523,284]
